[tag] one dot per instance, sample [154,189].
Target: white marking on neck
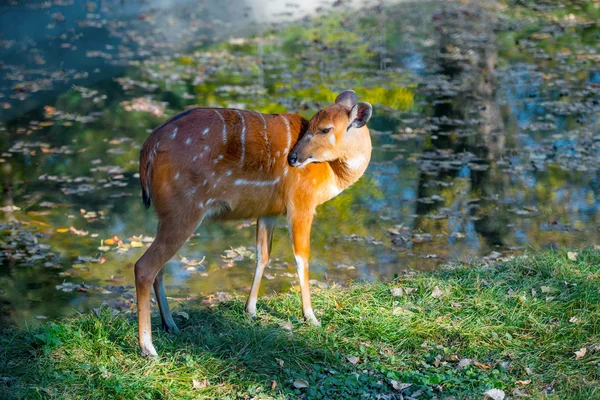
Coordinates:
[242,137]
[205,131]
[289,134]
[265,136]
[256,183]
[174,133]
[332,138]
[224,126]
[356,162]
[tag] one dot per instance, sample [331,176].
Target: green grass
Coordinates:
[520,320]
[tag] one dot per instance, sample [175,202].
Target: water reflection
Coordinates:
[474,156]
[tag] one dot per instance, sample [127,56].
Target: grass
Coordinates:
[521,320]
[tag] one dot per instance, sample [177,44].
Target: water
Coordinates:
[485,146]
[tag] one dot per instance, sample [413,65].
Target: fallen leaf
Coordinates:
[549,289]
[495,394]
[136,244]
[273,384]
[464,362]
[572,255]
[400,385]
[580,353]
[199,384]
[353,360]
[183,314]
[574,320]
[397,291]
[62,230]
[300,384]
[437,293]
[280,361]
[527,382]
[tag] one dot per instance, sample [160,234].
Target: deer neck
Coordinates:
[354,161]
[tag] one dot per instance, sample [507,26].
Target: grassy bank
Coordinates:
[513,326]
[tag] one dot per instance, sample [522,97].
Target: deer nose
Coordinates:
[292,158]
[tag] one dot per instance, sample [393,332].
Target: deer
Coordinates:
[228,164]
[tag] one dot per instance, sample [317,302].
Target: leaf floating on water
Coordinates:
[62,230]
[300,384]
[135,244]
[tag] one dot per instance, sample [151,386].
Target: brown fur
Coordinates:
[190,172]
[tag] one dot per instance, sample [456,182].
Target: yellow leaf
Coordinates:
[136,244]
[527,382]
[62,230]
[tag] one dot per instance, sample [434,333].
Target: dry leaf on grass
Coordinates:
[353,360]
[437,293]
[580,353]
[200,384]
[300,384]
[495,394]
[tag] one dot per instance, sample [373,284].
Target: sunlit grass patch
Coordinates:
[529,326]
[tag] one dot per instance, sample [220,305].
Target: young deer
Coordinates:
[233,164]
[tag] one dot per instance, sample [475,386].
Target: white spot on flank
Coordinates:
[242,136]
[277,154]
[210,201]
[213,173]
[256,183]
[174,133]
[332,138]
[192,191]
[206,148]
[356,162]
[289,133]
[194,158]
[224,126]
[204,183]
[176,176]
[314,181]
[157,144]
[201,205]
[228,173]
[188,140]
[205,131]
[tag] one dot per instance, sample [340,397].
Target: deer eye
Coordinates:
[325,130]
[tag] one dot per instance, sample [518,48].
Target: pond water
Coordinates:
[486,144]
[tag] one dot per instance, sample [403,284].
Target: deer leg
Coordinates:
[172,234]
[161,298]
[264,239]
[300,224]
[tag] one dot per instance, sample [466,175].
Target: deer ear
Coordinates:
[347,98]
[360,114]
